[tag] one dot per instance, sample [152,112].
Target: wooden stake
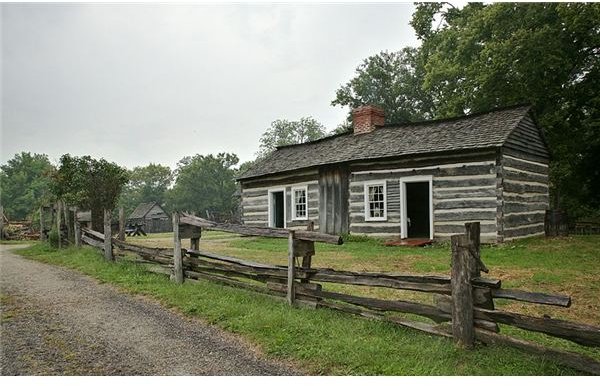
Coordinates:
[291,294]
[58,210]
[462,292]
[1,222]
[473,232]
[122,224]
[309,251]
[76,229]
[66,212]
[195,242]
[42,235]
[177,259]
[108,255]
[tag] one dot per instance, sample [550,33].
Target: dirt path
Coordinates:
[57,321]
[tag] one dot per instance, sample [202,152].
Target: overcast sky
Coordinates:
[143,83]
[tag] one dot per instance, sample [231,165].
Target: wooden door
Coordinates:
[333,200]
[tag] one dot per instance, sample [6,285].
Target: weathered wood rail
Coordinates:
[464,299]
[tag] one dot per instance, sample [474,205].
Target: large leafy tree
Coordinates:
[546,54]
[25,184]
[146,184]
[392,81]
[205,183]
[284,132]
[90,184]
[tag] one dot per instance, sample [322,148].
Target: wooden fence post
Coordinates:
[58,214]
[76,229]
[195,241]
[122,224]
[42,225]
[291,294]
[1,222]
[108,255]
[66,212]
[473,232]
[462,292]
[483,297]
[177,259]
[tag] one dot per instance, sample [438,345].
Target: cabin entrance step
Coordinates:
[408,243]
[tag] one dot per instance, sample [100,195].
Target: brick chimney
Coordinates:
[366,118]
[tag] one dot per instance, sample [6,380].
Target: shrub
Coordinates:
[53,237]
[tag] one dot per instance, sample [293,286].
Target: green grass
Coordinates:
[319,341]
[562,265]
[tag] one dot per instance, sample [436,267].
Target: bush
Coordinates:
[53,237]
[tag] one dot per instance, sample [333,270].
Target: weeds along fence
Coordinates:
[463,303]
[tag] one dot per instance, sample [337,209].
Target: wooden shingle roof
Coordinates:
[477,131]
[142,210]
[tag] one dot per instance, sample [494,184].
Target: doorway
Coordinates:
[277,208]
[417,208]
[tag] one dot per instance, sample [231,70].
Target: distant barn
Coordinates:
[412,180]
[152,216]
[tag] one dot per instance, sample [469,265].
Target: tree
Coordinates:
[392,81]
[25,184]
[89,184]
[545,54]
[244,167]
[146,184]
[283,132]
[205,183]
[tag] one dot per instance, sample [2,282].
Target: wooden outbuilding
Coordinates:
[85,219]
[152,216]
[415,180]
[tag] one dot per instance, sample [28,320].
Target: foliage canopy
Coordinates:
[392,81]
[89,184]
[25,184]
[205,183]
[283,132]
[484,56]
[148,183]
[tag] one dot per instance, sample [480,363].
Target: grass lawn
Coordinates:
[327,342]
[568,266]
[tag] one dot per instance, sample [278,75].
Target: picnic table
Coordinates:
[135,230]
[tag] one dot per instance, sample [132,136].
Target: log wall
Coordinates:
[504,189]
[523,183]
[255,199]
[464,189]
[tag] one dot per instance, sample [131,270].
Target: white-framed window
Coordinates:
[375,201]
[299,203]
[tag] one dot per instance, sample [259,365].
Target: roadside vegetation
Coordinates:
[326,342]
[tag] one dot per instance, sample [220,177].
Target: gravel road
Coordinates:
[56,321]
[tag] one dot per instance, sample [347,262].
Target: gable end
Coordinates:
[527,141]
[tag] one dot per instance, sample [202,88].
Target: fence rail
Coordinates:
[465,299]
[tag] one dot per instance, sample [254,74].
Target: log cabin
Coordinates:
[414,180]
[152,216]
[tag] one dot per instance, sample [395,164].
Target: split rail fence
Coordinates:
[463,303]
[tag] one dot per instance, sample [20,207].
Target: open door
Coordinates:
[277,208]
[417,208]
